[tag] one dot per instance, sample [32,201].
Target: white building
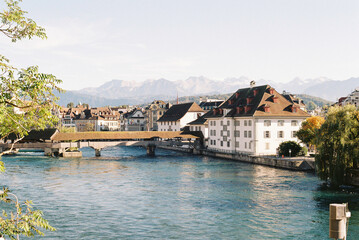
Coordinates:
[353,98]
[254,121]
[178,116]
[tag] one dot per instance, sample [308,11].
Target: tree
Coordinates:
[289,149]
[89,127]
[311,106]
[309,128]
[26,101]
[338,144]
[70,105]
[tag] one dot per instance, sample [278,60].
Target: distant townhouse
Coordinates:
[153,112]
[295,100]
[352,98]
[178,116]
[209,104]
[97,119]
[135,120]
[255,121]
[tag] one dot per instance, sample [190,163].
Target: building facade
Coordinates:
[178,116]
[254,121]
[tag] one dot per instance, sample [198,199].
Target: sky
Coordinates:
[91,42]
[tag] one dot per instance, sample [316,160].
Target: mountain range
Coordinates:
[121,92]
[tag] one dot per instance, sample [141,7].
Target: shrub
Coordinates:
[293,146]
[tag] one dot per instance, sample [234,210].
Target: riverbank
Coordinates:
[294,163]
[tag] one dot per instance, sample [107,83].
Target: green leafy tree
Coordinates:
[338,144]
[311,106]
[289,149]
[70,105]
[26,101]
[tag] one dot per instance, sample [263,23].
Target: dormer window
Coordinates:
[275,99]
[255,92]
[249,100]
[247,109]
[266,108]
[271,91]
[237,94]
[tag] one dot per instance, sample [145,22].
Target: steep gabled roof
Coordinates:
[176,112]
[257,101]
[200,121]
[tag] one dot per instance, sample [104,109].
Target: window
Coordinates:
[237,145]
[245,145]
[224,138]
[221,123]
[228,133]
[250,145]
[267,123]
[214,142]
[294,123]
[225,128]
[237,133]
[266,134]
[214,123]
[214,132]
[294,134]
[221,133]
[228,123]
[280,123]
[245,122]
[237,123]
[249,122]
[249,134]
[228,144]
[280,134]
[245,134]
[221,143]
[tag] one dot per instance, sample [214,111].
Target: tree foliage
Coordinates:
[289,149]
[21,222]
[338,144]
[309,128]
[26,102]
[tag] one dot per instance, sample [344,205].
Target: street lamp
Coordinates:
[290,153]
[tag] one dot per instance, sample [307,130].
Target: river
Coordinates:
[125,194]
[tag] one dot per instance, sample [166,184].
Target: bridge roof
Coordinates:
[118,135]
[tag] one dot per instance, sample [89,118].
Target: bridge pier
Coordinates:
[98,152]
[151,149]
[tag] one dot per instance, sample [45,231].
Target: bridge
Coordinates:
[55,143]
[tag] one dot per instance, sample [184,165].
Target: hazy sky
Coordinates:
[94,41]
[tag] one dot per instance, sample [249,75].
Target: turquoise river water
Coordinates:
[125,194]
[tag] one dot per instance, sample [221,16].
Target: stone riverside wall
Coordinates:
[296,164]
